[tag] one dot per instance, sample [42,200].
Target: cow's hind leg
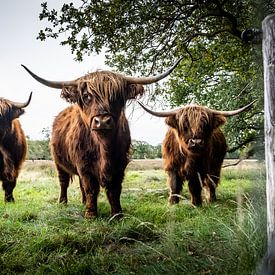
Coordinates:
[82,192]
[8,187]
[195,187]
[211,183]
[64,180]
[175,184]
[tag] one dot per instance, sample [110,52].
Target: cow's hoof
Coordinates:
[197,204]
[174,199]
[63,200]
[90,215]
[9,199]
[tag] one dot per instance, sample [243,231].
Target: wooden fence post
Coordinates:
[268,27]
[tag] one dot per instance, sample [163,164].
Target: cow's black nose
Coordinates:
[102,122]
[194,142]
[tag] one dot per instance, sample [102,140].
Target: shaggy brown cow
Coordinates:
[13,144]
[193,149]
[91,139]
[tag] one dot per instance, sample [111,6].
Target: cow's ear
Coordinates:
[218,120]
[171,121]
[70,94]
[134,90]
[16,113]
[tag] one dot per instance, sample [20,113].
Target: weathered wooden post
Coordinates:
[268,28]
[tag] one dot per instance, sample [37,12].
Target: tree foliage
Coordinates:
[39,149]
[221,67]
[144,150]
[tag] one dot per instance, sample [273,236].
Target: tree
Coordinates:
[143,150]
[140,36]
[39,149]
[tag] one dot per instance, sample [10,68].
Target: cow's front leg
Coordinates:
[8,187]
[175,185]
[195,187]
[113,192]
[64,180]
[91,190]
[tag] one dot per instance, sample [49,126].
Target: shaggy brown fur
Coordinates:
[12,146]
[98,156]
[193,149]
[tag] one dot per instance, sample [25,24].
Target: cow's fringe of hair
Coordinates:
[194,114]
[104,86]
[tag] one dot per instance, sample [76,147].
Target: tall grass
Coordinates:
[40,236]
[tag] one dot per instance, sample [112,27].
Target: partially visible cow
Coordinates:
[193,149]
[13,146]
[91,138]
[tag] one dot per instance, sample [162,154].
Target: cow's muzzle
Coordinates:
[102,122]
[195,143]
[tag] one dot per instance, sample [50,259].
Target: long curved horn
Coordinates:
[151,79]
[52,84]
[22,105]
[234,112]
[158,114]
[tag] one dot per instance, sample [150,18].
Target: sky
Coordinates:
[19,27]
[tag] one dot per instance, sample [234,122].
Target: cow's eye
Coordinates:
[185,128]
[86,98]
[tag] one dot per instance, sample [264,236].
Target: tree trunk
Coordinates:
[268,26]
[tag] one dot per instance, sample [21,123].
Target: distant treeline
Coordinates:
[40,149]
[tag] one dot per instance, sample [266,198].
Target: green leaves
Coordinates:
[146,36]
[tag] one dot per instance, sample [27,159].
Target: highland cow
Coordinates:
[193,149]
[13,146]
[91,138]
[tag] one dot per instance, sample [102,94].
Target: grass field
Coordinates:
[39,236]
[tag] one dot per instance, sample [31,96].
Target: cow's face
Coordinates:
[102,95]
[102,98]
[9,111]
[194,125]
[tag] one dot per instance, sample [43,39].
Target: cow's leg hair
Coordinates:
[175,184]
[8,187]
[64,179]
[91,189]
[195,188]
[113,192]
[82,192]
